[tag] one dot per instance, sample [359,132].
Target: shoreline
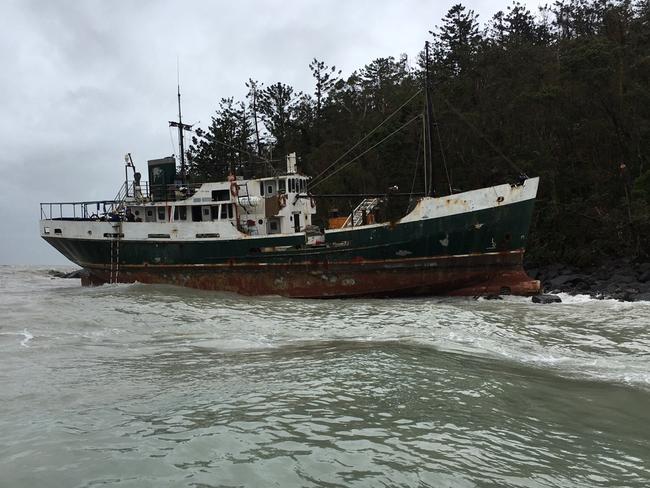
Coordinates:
[621,279]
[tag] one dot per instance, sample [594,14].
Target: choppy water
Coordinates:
[134,385]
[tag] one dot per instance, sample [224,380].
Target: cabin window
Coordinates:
[161,214]
[262,188]
[214,210]
[206,210]
[150,217]
[292,185]
[220,195]
[270,189]
[231,211]
[196,213]
[224,212]
[180,213]
[273,225]
[282,185]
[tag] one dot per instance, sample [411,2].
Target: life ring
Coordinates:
[282,200]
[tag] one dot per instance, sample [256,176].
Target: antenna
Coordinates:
[181,126]
[429,184]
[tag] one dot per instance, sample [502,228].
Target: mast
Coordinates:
[429,184]
[181,126]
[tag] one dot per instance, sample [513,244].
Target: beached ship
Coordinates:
[255,236]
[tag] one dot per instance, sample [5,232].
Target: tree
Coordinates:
[253,96]
[277,107]
[457,40]
[224,146]
[325,78]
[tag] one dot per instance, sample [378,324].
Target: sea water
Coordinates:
[149,386]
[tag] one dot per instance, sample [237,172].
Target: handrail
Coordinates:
[145,193]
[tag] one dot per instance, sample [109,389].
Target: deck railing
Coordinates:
[128,195]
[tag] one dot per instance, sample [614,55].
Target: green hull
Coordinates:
[471,253]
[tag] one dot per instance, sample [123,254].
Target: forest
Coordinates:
[562,93]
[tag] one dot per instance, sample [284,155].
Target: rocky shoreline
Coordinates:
[619,279]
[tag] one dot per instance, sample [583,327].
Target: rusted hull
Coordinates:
[473,275]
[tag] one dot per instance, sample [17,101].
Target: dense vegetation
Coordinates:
[563,94]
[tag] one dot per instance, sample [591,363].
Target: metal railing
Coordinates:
[92,210]
[129,194]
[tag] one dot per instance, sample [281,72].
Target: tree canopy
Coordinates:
[562,93]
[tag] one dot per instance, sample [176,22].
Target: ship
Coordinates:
[258,236]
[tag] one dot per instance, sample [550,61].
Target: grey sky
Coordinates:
[84,82]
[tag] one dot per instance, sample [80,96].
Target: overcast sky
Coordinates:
[84,82]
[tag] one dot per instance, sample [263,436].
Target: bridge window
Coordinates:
[180,213]
[220,195]
[196,213]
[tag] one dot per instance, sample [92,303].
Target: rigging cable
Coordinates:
[314,179]
[442,150]
[364,152]
[417,161]
[483,136]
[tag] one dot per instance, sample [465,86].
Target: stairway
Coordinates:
[367,206]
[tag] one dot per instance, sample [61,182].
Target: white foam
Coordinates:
[27,336]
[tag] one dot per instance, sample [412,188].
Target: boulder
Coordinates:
[566,279]
[546,299]
[493,297]
[77,273]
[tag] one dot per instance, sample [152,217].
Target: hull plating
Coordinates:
[483,274]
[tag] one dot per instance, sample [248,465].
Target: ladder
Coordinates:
[366,206]
[114,271]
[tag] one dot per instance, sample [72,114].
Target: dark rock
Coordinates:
[56,273]
[562,280]
[546,299]
[493,297]
[644,277]
[78,273]
[642,296]
[623,278]
[643,267]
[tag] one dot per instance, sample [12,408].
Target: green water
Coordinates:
[136,385]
